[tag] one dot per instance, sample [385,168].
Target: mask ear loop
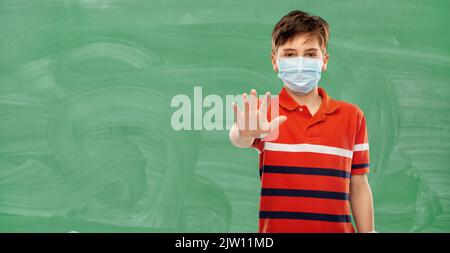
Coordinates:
[277,56]
[277,61]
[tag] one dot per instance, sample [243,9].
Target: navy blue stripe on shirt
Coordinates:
[304,216]
[306,171]
[304,193]
[360,166]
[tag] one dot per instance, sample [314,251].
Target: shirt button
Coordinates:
[301,109]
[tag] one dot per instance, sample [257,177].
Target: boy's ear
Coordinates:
[274,62]
[325,62]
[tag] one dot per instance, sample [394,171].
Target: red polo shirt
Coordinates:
[305,172]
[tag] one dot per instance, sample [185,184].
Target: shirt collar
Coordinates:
[329,105]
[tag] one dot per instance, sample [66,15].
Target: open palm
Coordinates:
[252,121]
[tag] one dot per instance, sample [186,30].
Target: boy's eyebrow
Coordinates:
[289,49]
[293,49]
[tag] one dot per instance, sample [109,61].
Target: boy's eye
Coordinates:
[289,55]
[310,55]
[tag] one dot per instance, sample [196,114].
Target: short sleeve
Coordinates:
[258,144]
[360,160]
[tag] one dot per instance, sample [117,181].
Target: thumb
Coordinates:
[275,123]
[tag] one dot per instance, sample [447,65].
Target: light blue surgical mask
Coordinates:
[300,74]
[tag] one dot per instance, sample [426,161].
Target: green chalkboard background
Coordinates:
[86,142]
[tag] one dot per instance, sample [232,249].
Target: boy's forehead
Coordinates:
[302,41]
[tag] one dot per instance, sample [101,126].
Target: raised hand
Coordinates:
[253,122]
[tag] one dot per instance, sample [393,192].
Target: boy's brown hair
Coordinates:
[300,22]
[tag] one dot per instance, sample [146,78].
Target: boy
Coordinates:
[313,172]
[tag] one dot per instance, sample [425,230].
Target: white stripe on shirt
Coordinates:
[304,147]
[361,147]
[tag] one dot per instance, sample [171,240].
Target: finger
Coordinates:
[253,115]
[237,115]
[246,110]
[235,110]
[265,104]
[254,100]
[245,102]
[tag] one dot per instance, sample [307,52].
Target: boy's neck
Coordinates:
[312,100]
